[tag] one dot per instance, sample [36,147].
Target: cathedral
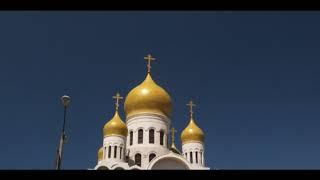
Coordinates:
[142,141]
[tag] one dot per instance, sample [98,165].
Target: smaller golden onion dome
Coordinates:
[148,97]
[192,133]
[100,154]
[115,126]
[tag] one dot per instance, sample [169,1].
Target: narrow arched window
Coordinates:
[120,152]
[105,152]
[131,138]
[197,157]
[109,152]
[151,156]
[140,136]
[201,158]
[191,160]
[151,136]
[115,152]
[137,159]
[186,155]
[161,137]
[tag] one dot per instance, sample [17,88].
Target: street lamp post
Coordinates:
[65,101]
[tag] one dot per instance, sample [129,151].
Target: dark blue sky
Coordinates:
[254,76]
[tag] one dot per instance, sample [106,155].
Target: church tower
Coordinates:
[147,108]
[115,133]
[192,138]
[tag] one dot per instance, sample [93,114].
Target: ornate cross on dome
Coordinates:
[191,107]
[172,135]
[117,97]
[149,58]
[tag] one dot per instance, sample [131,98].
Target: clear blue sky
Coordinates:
[254,76]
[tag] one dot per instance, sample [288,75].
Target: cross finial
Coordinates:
[172,135]
[117,97]
[190,104]
[149,58]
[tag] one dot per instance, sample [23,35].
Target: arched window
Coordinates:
[137,159]
[161,137]
[197,157]
[120,152]
[105,152]
[151,156]
[140,136]
[131,138]
[115,152]
[186,155]
[151,136]
[109,152]
[191,160]
[201,158]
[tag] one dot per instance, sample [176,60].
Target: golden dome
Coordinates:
[148,97]
[192,133]
[100,154]
[115,126]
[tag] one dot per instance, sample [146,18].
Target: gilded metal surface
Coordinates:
[115,126]
[192,132]
[148,97]
[100,154]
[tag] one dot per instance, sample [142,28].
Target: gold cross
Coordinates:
[117,97]
[191,109]
[149,58]
[172,135]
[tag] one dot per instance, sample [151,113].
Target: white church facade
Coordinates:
[142,141]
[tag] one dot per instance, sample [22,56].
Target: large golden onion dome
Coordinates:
[115,126]
[148,97]
[192,133]
[100,154]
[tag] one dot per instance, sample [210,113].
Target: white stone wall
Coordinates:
[146,122]
[169,161]
[114,141]
[171,164]
[195,148]
[164,159]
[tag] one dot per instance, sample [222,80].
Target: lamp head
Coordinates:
[65,100]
